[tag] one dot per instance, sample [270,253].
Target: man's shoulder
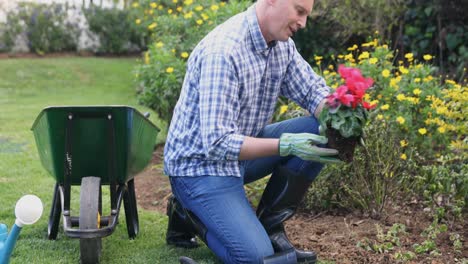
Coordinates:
[229,38]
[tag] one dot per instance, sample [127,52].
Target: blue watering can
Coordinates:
[28,210]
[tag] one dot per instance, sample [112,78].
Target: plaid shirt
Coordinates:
[230,90]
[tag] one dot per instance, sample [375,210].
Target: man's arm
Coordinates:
[253,148]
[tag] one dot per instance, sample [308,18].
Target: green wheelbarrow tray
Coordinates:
[93,146]
[90,140]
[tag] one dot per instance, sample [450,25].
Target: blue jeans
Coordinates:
[234,232]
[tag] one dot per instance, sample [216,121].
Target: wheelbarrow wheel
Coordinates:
[90,248]
[131,211]
[54,217]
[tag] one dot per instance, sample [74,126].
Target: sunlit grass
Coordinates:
[26,87]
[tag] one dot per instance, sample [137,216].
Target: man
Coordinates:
[220,137]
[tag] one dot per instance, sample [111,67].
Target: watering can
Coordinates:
[28,210]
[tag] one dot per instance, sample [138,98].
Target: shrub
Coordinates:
[372,179]
[45,27]
[174,30]
[421,113]
[115,30]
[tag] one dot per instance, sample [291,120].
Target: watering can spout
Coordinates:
[28,210]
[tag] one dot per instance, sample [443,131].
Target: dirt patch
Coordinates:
[334,236]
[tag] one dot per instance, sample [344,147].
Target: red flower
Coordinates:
[368,106]
[340,95]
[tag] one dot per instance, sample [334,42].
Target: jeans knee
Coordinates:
[250,255]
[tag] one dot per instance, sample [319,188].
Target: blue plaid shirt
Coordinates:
[230,90]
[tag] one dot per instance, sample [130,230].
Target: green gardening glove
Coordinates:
[303,145]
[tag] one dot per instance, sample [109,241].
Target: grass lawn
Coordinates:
[26,87]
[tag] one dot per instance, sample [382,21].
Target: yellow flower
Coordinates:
[318,58]
[403,156]
[199,8]
[138,21]
[450,81]
[147,58]
[204,16]
[441,129]
[409,56]
[152,26]
[417,80]
[385,73]
[379,117]
[135,5]
[169,11]
[188,15]
[214,7]
[174,1]
[364,55]
[373,60]
[385,107]
[159,44]
[354,47]
[422,131]
[283,109]
[400,120]
[199,21]
[188,2]
[403,70]
[184,54]
[427,57]
[403,143]
[153,5]
[170,70]
[401,97]
[349,57]
[417,91]
[428,78]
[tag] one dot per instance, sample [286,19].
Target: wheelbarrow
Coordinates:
[92,146]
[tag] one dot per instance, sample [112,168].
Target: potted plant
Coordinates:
[345,113]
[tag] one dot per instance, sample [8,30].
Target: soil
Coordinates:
[345,146]
[334,235]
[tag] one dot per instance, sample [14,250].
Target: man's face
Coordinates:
[287,17]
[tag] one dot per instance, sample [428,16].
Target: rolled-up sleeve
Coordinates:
[302,85]
[219,108]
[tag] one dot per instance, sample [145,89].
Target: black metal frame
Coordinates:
[118,192]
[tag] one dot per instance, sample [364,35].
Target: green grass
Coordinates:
[26,87]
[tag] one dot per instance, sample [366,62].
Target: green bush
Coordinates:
[420,118]
[373,178]
[114,28]
[45,27]
[174,29]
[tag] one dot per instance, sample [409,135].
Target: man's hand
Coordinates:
[303,145]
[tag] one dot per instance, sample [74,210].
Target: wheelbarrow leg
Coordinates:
[131,211]
[55,212]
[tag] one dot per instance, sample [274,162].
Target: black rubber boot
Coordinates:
[186,260]
[285,257]
[279,202]
[180,230]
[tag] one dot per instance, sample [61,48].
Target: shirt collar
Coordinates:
[258,40]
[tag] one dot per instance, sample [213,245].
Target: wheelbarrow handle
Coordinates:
[146,114]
